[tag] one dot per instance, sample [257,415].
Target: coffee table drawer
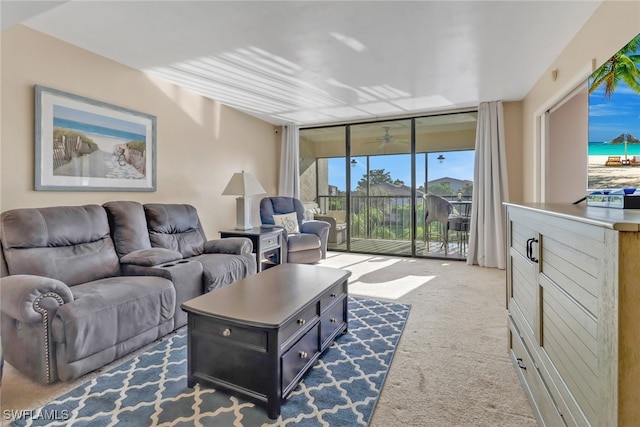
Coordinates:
[331,321]
[332,295]
[299,323]
[296,359]
[230,333]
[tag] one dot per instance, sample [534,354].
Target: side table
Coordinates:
[267,244]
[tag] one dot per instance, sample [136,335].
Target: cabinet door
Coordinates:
[522,276]
[558,284]
[571,279]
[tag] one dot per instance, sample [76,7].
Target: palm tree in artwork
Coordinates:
[623,66]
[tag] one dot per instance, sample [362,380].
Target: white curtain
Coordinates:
[487,230]
[289,182]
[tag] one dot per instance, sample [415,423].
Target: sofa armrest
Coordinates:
[315,227]
[26,297]
[229,245]
[150,257]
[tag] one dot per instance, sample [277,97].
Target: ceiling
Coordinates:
[312,62]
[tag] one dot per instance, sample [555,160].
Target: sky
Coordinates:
[91,118]
[610,117]
[457,164]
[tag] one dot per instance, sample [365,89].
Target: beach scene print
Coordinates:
[614,121]
[86,144]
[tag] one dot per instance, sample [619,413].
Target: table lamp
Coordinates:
[243,184]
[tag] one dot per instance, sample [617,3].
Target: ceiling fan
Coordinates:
[388,139]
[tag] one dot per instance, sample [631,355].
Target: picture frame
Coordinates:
[82,144]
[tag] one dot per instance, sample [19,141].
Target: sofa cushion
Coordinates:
[109,311]
[128,226]
[175,227]
[68,243]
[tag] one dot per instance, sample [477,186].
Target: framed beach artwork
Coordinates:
[87,145]
[614,121]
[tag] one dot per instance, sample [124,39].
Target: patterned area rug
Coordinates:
[340,390]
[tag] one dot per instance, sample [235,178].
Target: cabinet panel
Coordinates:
[571,348]
[225,364]
[539,396]
[576,272]
[520,233]
[523,289]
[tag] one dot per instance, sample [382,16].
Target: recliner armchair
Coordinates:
[308,244]
[338,223]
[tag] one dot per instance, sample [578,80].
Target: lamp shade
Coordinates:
[243,184]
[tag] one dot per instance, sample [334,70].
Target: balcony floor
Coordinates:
[457,250]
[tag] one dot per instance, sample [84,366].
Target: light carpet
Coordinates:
[451,367]
[151,389]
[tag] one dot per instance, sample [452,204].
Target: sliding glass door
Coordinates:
[381,186]
[445,144]
[370,181]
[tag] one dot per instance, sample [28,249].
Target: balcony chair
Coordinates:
[305,241]
[440,210]
[337,221]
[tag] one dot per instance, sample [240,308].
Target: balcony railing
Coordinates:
[381,217]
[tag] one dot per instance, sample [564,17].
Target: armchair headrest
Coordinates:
[270,206]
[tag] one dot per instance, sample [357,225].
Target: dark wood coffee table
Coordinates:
[258,337]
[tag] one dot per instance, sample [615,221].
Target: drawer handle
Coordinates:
[301,321]
[226,332]
[334,295]
[530,243]
[334,320]
[520,365]
[303,355]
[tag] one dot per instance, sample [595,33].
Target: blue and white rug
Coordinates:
[151,389]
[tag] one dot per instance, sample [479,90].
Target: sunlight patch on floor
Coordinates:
[392,289]
[368,274]
[344,260]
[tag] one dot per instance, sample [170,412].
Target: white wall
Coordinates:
[200,143]
[567,150]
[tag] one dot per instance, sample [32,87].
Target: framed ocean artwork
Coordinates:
[87,145]
[614,121]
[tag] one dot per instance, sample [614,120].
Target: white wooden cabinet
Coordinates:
[573,299]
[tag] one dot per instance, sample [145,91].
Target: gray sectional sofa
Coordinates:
[83,286]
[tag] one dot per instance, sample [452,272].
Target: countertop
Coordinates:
[617,219]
